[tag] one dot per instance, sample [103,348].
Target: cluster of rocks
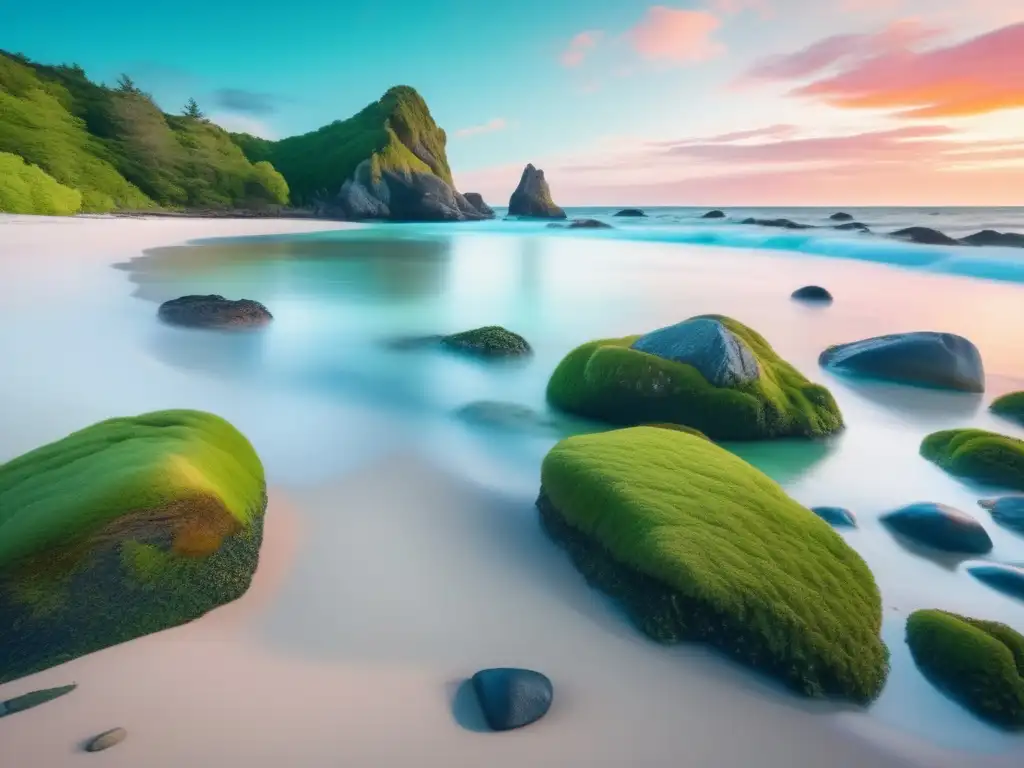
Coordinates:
[32,699]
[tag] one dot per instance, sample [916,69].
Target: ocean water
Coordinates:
[320,392]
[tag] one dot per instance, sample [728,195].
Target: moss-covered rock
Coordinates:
[124,528]
[489,341]
[1010,406]
[978,663]
[699,545]
[974,454]
[214,311]
[612,381]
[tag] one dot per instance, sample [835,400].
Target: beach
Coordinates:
[402,550]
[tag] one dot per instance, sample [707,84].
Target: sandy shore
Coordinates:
[379,591]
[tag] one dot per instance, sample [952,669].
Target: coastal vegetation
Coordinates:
[978,455]
[1010,406]
[699,545]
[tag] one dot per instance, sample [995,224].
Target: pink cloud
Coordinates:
[736,6]
[675,36]
[580,47]
[497,124]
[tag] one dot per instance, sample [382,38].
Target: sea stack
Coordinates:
[532,197]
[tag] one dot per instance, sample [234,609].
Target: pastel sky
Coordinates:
[707,102]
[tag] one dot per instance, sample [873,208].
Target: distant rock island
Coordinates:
[532,197]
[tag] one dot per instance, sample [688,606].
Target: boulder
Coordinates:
[106,740]
[1009,406]
[476,200]
[641,380]
[631,212]
[941,527]
[779,223]
[506,416]
[924,236]
[588,224]
[836,516]
[1007,579]
[715,214]
[214,311]
[489,341]
[841,216]
[124,528]
[708,345]
[698,545]
[925,358]
[34,699]
[511,698]
[852,226]
[812,293]
[532,198]
[975,454]
[1008,511]
[992,237]
[402,195]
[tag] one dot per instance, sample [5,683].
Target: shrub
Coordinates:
[26,188]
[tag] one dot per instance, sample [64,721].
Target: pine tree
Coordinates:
[126,85]
[192,110]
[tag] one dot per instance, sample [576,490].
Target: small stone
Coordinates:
[1008,579]
[941,527]
[1008,511]
[836,516]
[106,740]
[511,698]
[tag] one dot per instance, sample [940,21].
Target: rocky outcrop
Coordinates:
[532,198]
[841,216]
[925,358]
[924,236]
[812,293]
[852,226]
[715,214]
[941,527]
[214,311]
[992,237]
[588,224]
[511,698]
[476,200]
[717,353]
[779,223]
[631,212]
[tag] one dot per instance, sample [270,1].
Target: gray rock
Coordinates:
[512,698]
[532,197]
[812,293]
[852,226]
[837,516]
[106,740]
[924,358]
[214,311]
[1008,511]
[705,343]
[631,212]
[715,214]
[841,216]
[1008,579]
[34,699]
[941,527]
[779,223]
[992,237]
[510,417]
[924,236]
[477,201]
[588,224]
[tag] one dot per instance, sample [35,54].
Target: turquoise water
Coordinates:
[320,393]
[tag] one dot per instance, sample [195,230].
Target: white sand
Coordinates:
[377,593]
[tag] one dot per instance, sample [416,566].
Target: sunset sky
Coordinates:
[715,102]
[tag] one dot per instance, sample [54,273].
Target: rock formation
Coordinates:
[532,198]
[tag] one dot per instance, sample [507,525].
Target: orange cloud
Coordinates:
[580,47]
[676,36]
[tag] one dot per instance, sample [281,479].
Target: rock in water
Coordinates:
[214,311]
[1008,579]
[489,341]
[715,214]
[532,197]
[841,216]
[941,527]
[106,740]
[477,201]
[34,699]
[1009,406]
[124,528]
[631,212]
[925,358]
[812,293]
[588,224]
[924,236]
[1008,511]
[837,516]
[511,698]
[698,545]
[978,455]
[852,226]
[992,237]
[779,223]
[705,343]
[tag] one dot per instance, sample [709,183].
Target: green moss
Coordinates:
[978,663]
[1010,406]
[26,188]
[491,341]
[608,381]
[699,545]
[974,454]
[679,428]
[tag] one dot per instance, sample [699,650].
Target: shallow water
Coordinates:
[319,393]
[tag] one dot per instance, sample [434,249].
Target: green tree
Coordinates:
[27,188]
[126,85]
[192,110]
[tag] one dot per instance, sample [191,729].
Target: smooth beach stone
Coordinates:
[631,212]
[717,353]
[974,662]
[588,224]
[214,311]
[926,358]
[127,527]
[532,198]
[698,545]
[715,214]
[812,293]
[941,527]
[993,238]
[489,341]
[924,236]
[477,201]
[1008,511]
[106,740]
[511,698]
[978,455]
[841,216]
[1009,406]
[837,516]
[34,699]
[1008,579]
